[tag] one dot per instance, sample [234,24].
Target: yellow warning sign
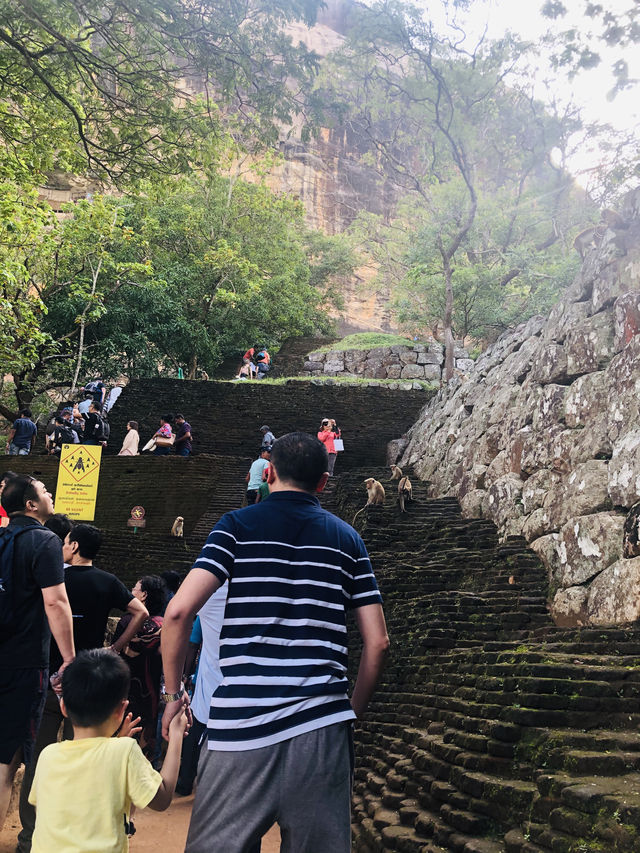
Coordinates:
[78,480]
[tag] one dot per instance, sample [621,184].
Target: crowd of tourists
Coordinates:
[242,665]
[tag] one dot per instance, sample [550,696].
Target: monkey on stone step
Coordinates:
[405,492]
[177,528]
[396,472]
[375,495]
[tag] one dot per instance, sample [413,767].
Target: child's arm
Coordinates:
[171,764]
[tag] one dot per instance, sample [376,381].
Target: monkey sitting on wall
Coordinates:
[177,528]
[375,495]
[405,492]
[396,472]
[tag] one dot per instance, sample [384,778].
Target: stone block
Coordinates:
[626,319]
[312,367]
[549,406]
[394,371]
[429,358]
[546,547]
[569,607]
[614,595]
[498,467]
[585,398]
[536,524]
[564,315]
[615,280]
[471,503]
[587,546]
[549,364]
[502,402]
[582,492]
[624,470]
[395,449]
[316,356]
[631,533]
[334,366]
[412,371]
[589,345]
[536,488]
[623,384]
[408,356]
[466,365]
[541,448]
[432,372]
[503,500]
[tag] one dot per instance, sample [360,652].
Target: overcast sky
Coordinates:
[588,89]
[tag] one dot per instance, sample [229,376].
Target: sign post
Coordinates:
[137,518]
[78,477]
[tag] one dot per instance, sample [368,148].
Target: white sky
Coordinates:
[589,88]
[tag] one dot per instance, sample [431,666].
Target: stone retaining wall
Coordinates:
[419,362]
[543,437]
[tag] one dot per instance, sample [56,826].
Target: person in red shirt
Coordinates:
[328,432]
[8,475]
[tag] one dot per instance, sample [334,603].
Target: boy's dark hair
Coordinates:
[300,459]
[59,524]
[17,492]
[8,475]
[93,685]
[168,418]
[89,539]
[157,594]
[134,425]
[26,413]
[172,579]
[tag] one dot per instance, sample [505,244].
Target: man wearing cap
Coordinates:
[267,437]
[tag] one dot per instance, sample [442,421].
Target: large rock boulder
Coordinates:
[587,545]
[614,596]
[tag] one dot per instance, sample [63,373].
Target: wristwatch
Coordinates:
[172,697]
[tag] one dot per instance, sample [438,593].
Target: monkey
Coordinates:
[587,240]
[396,472]
[177,528]
[405,492]
[375,495]
[613,220]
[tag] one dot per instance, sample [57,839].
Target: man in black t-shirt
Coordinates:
[93,594]
[40,607]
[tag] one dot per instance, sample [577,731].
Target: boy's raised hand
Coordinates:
[129,727]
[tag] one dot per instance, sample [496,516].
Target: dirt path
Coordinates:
[165,831]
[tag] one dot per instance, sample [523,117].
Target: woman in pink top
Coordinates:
[328,432]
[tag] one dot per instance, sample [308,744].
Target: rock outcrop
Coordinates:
[543,436]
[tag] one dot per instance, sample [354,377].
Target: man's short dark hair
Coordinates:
[26,413]
[300,459]
[59,524]
[180,418]
[97,405]
[8,475]
[60,419]
[93,685]
[17,492]
[89,540]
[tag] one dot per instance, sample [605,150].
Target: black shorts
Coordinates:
[22,695]
[251,496]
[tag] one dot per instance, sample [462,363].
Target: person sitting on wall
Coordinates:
[263,361]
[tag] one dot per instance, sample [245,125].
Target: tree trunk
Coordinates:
[448,320]
[193,367]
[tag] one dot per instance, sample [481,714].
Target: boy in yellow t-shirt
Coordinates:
[83,788]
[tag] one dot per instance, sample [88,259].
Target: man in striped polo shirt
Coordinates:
[279,729]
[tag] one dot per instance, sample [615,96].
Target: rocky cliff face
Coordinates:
[543,437]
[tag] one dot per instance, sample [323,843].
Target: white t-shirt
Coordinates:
[209,675]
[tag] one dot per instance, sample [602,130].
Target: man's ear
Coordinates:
[63,708]
[322,482]
[271,475]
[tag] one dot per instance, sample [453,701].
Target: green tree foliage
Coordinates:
[106,88]
[192,272]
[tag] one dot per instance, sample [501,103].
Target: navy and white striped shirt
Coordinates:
[293,570]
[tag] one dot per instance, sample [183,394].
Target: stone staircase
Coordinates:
[492,730]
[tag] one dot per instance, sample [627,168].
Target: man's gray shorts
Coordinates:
[303,784]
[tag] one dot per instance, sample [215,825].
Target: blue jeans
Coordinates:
[181,450]
[14,450]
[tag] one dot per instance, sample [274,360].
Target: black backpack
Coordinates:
[8,536]
[103,428]
[65,433]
